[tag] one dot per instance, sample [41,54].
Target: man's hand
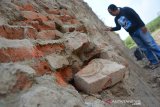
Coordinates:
[108,29]
[144,29]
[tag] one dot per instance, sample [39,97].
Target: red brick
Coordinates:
[19,54]
[50,48]
[48,35]
[31,33]
[41,67]
[39,26]
[63,75]
[23,82]
[47,25]
[74,21]
[12,32]
[4,57]
[30,15]
[60,80]
[34,24]
[27,7]
[64,12]
[54,11]
[66,73]
[51,17]
[65,18]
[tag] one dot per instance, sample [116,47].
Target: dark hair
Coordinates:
[112,7]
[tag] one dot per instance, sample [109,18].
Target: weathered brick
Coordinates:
[17,50]
[51,17]
[65,18]
[30,15]
[27,7]
[11,32]
[34,24]
[47,25]
[41,67]
[87,52]
[19,54]
[75,40]
[74,21]
[30,33]
[99,72]
[57,61]
[59,79]
[49,35]
[63,76]
[64,12]
[23,82]
[50,48]
[4,57]
[17,32]
[54,11]
[39,26]
[66,73]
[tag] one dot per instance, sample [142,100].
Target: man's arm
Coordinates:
[118,27]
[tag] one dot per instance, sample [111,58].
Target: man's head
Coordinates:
[113,10]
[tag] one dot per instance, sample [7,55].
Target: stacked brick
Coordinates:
[44,41]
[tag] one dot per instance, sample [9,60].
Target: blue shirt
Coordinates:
[128,19]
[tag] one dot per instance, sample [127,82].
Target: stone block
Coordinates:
[98,75]
[57,61]
[75,40]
